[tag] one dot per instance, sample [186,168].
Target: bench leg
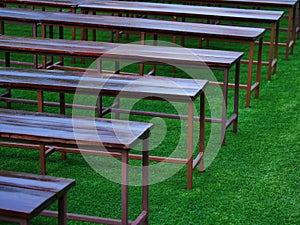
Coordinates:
[25,222]
[270,66]
[250,69]
[224,107]
[43,159]
[290,31]
[125,188]
[276,48]
[190,145]
[236,96]
[202,131]
[62,210]
[145,188]
[258,70]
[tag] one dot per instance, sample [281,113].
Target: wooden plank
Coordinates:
[35,182]
[262,3]
[151,26]
[218,13]
[29,202]
[138,53]
[46,3]
[54,130]
[177,89]
[22,15]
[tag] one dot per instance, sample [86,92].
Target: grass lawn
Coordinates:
[254,179]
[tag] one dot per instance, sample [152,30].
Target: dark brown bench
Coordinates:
[56,4]
[245,35]
[66,132]
[197,58]
[289,5]
[248,16]
[186,91]
[24,196]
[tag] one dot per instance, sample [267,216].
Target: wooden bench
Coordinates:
[247,16]
[33,19]
[246,35]
[66,132]
[289,5]
[186,91]
[24,196]
[197,58]
[143,26]
[55,4]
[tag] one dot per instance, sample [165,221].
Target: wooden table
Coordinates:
[38,128]
[196,58]
[259,17]
[23,196]
[289,5]
[156,88]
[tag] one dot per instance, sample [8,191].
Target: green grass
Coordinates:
[254,179]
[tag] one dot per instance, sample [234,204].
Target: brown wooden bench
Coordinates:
[34,19]
[24,196]
[186,91]
[248,16]
[289,5]
[66,132]
[56,4]
[245,35]
[197,58]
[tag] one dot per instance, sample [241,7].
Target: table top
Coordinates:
[29,191]
[61,130]
[123,52]
[107,84]
[149,8]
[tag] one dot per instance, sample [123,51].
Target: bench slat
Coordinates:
[22,15]
[152,26]
[35,182]
[148,8]
[139,53]
[60,130]
[108,84]
[24,195]
[266,3]
[28,201]
[46,3]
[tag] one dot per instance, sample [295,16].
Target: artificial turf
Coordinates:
[254,179]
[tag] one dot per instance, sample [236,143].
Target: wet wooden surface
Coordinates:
[25,195]
[139,53]
[219,13]
[104,83]
[59,130]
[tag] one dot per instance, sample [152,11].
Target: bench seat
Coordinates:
[24,196]
[156,88]
[180,57]
[242,35]
[97,134]
[290,6]
[247,16]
